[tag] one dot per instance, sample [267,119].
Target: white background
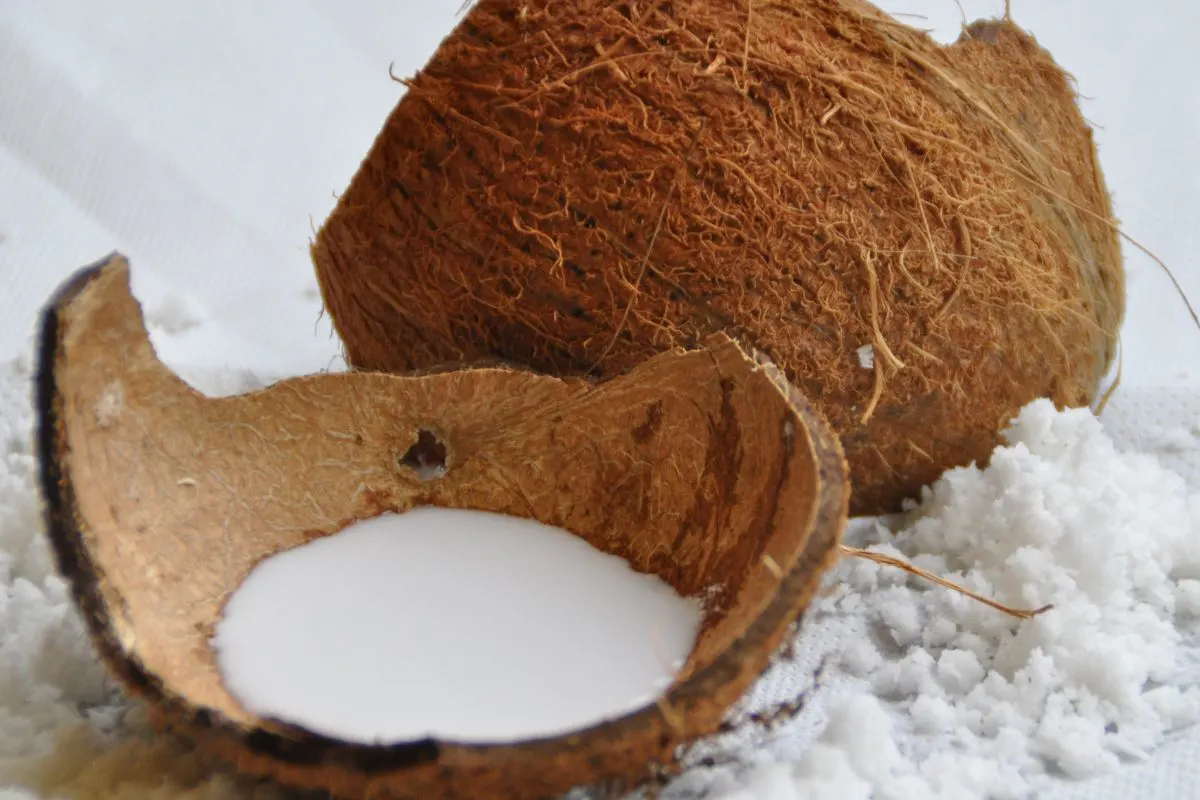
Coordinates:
[207,140]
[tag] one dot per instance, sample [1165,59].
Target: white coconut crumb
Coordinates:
[903,619]
[862,728]
[855,754]
[1187,598]
[905,677]
[939,632]
[860,657]
[866,356]
[933,714]
[958,671]
[174,315]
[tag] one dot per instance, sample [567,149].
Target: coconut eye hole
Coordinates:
[426,457]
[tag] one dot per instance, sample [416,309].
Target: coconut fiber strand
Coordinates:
[575,186]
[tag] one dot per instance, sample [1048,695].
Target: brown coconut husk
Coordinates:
[576,186]
[705,467]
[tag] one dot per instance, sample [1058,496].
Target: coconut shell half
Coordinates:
[704,467]
[918,235]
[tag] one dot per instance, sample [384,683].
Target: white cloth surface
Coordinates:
[207,140]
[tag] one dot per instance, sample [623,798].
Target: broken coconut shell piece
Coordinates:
[704,467]
[918,235]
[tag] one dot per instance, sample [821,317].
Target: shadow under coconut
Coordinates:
[704,467]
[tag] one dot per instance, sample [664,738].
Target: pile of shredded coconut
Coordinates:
[927,693]
[922,692]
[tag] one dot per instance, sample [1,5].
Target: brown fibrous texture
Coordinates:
[576,186]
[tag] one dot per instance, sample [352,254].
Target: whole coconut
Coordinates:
[919,235]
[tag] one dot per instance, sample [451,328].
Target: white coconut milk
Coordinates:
[462,625]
